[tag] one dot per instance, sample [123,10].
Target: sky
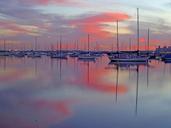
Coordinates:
[23,20]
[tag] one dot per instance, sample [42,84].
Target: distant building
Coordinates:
[164,49]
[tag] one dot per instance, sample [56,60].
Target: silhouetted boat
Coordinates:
[19,54]
[74,54]
[59,56]
[87,57]
[34,54]
[166,58]
[5,53]
[129,60]
[128,64]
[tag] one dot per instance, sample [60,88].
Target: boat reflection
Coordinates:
[117,81]
[137,91]
[128,65]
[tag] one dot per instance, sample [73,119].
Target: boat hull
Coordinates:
[59,57]
[86,59]
[166,59]
[128,60]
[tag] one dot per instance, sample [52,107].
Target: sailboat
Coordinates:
[166,58]
[59,55]
[35,53]
[126,58]
[87,56]
[75,52]
[4,52]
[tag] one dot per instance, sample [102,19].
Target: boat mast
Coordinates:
[96,47]
[66,46]
[60,44]
[117,36]
[4,45]
[138,32]
[130,42]
[57,40]
[24,46]
[51,47]
[88,43]
[35,44]
[148,40]
[77,45]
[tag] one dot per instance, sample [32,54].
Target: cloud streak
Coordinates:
[52,2]
[94,24]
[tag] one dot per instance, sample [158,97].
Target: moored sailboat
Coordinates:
[127,58]
[87,56]
[60,54]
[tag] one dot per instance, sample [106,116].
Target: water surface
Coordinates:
[46,93]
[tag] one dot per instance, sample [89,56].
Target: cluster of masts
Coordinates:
[115,57]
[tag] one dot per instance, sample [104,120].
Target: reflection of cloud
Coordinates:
[107,88]
[100,80]
[11,121]
[11,75]
[39,113]
[52,111]
[57,106]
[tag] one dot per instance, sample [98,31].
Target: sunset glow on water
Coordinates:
[68,93]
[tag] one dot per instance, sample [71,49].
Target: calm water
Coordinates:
[45,93]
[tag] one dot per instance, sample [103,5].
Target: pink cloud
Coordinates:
[57,2]
[11,25]
[106,17]
[14,28]
[93,24]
